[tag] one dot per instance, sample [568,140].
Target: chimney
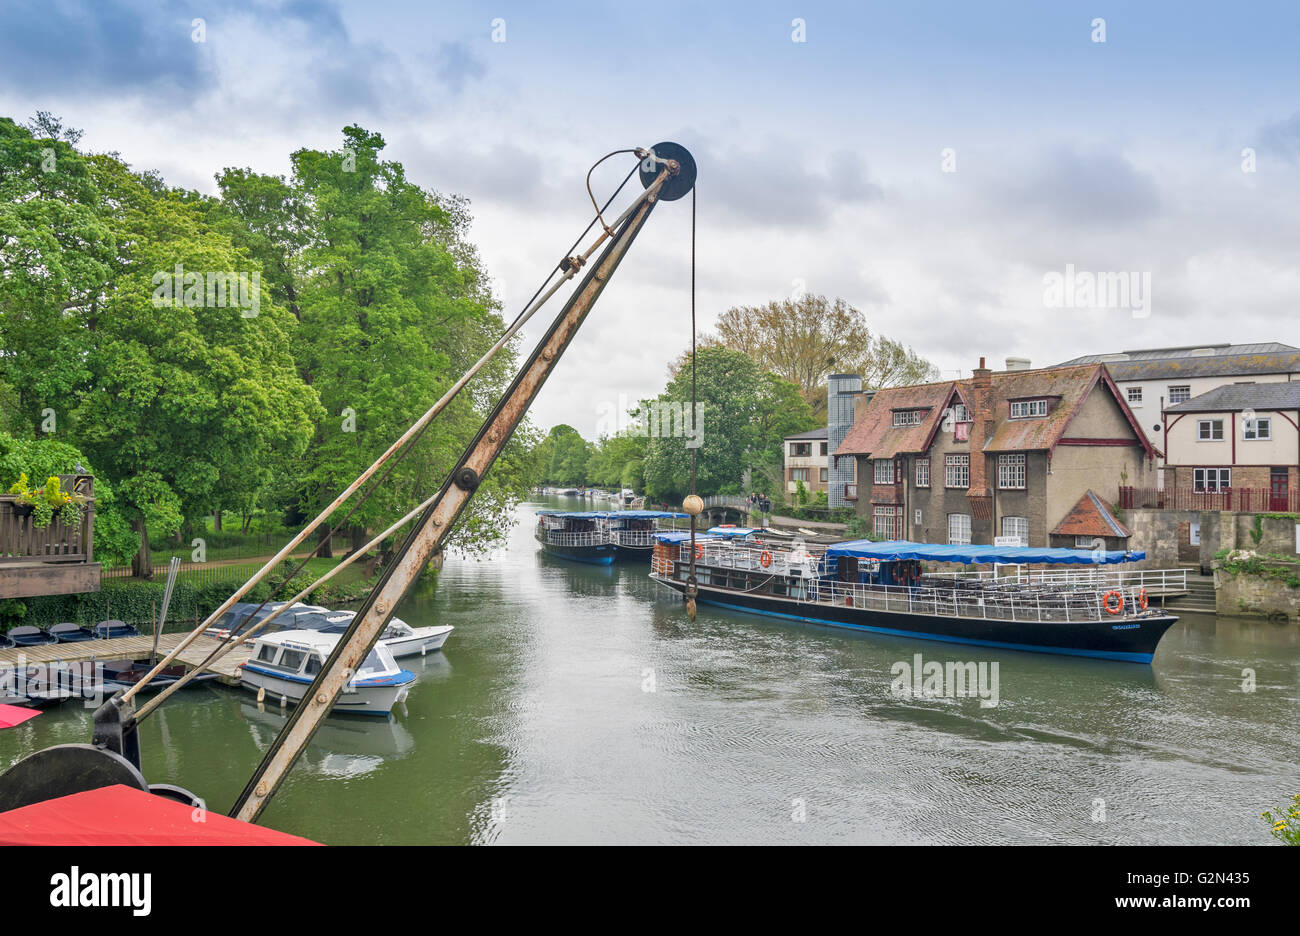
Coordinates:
[981,416]
[1018,364]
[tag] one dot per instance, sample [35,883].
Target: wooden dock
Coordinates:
[129,648]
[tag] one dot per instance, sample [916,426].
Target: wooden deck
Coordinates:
[129,648]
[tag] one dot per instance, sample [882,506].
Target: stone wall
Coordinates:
[1159,533]
[1254,594]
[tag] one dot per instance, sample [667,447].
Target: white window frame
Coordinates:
[1184,392]
[908,418]
[1012,472]
[825,475]
[1259,429]
[1028,409]
[885,467]
[1084,542]
[923,472]
[1203,478]
[884,516]
[1134,394]
[1205,429]
[958,467]
[959,413]
[1017,527]
[961,536]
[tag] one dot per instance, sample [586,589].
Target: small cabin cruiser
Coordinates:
[286,663]
[400,638]
[245,615]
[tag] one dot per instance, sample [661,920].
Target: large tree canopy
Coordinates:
[808,338]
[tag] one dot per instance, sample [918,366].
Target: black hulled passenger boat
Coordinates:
[579,535]
[1075,605]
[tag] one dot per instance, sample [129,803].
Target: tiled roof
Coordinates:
[1064,387]
[874,432]
[819,433]
[1091,516]
[1237,397]
[1224,360]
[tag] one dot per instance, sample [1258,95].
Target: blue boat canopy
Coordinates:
[733,532]
[677,537]
[644,515]
[893,550]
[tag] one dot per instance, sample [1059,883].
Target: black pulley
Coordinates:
[466,478]
[675,186]
[63,770]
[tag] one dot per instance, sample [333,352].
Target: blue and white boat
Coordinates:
[284,665]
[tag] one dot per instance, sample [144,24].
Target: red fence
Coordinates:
[1260,500]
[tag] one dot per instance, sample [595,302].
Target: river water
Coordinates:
[578,704]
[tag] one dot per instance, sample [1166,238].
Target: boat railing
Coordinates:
[1161,581]
[561,538]
[748,557]
[1013,602]
[634,537]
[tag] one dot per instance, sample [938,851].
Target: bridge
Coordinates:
[728,508]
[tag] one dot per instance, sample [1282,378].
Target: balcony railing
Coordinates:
[1183,498]
[21,540]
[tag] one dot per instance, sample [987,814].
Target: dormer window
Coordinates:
[908,417]
[1028,409]
[959,413]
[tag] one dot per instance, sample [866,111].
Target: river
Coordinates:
[578,704]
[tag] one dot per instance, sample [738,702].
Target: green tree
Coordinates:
[190,398]
[745,415]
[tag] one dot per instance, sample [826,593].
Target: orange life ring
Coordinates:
[1143,601]
[765,559]
[1113,609]
[699,551]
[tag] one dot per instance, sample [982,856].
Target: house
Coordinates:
[1031,456]
[1157,378]
[806,460]
[1238,437]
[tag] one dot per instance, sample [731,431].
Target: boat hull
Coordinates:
[363,700]
[1130,640]
[633,553]
[424,640]
[601,554]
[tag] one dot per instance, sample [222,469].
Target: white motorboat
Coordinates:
[285,664]
[400,638]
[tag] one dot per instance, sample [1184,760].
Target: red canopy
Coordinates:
[13,715]
[119,815]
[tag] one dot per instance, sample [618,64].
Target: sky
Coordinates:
[944,167]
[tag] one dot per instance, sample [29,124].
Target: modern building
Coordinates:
[1027,456]
[841,392]
[1238,437]
[1154,379]
[806,460]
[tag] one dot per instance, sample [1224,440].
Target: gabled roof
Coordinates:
[1238,397]
[1091,516]
[820,432]
[874,433]
[1066,389]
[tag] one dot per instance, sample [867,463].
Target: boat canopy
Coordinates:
[893,550]
[575,514]
[733,532]
[677,537]
[645,515]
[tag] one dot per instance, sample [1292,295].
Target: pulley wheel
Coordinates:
[675,186]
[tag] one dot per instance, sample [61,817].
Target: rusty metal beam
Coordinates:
[429,534]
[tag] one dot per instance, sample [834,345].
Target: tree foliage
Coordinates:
[806,339]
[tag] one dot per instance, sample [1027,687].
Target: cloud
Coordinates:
[1283,136]
[1081,188]
[455,64]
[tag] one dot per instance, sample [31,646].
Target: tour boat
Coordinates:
[633,531]
[880,587]
[285,664]
[579,535]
